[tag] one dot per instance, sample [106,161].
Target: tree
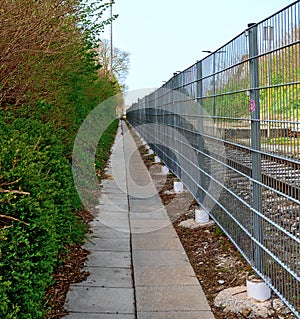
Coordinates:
[120,61]
[40,42]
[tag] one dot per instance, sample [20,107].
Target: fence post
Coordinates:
[214,87]
[147,119]
[176,121]
[200,140]
[255,145]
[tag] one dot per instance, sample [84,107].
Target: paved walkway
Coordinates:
[138,266]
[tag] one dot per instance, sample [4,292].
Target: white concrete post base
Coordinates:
[165,170]
[178,187]
[156,159]
[258,289]
[201,216]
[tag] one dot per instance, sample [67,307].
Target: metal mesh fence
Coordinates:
[228,127]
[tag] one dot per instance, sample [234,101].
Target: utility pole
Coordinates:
[111,40]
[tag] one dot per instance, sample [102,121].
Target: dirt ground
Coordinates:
[70,272]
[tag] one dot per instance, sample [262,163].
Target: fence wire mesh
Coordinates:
[228,127]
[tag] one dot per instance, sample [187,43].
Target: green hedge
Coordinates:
[40,214]
[45,95]
[105,143]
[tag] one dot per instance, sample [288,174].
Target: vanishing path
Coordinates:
[138,267]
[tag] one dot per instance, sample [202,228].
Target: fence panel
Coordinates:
[228,127]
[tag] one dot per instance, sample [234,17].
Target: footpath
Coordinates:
[138,267]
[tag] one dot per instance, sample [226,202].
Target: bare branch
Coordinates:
[10,183]
[12,218]
[14,192]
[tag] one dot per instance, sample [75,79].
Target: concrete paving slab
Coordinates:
[153,200]
[113,259]
[112,244]
[168,298]
[147,225]
[159,258]
[138,177]
[102,215]
[113,212]
[112,186]
[151,195]
[113,196]
[110,205]
[116,220]
[100,316]
[136,163]
[169,230]
[113,190]
[139,183]
[143,192]
[113,202]
[131,179]
[108,277]
[146,209]
[102,300]
[120,180]
[133,173]
[137,166]
[165,276]
[161,241]
[117,227]
[152,215]
[102,231]
[108,198]
[175,315]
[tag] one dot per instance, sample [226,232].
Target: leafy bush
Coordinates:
[38,197]
[105,143]
[37,203]
[49,83]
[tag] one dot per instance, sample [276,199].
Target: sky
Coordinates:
[166,36]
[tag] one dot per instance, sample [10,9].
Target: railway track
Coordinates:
[280,174]
[280,180]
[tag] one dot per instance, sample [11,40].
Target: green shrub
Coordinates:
[46,93]
[37,191]
[38,198]
[104,146]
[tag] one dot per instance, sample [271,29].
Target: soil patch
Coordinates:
[70,272]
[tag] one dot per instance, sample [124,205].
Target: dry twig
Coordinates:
[12,218]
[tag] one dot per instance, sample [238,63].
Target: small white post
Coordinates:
[156,159]
[165,170]
[258,289]
[178,187]
[201,216]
